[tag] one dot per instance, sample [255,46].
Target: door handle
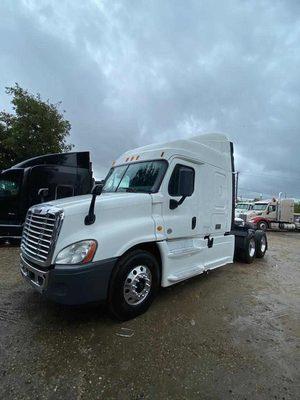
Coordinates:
[194,221]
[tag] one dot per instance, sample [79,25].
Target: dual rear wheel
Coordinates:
[255,246]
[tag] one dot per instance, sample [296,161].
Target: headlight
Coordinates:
[77,253]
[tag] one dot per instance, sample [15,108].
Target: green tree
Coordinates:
[35,128]
[297,208]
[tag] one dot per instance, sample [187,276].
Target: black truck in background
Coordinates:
[37,180]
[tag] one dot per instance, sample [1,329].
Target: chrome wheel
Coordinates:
[137,285]
[263,244]
[252,248]
[263,226]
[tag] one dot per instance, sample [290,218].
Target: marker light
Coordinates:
[77,253]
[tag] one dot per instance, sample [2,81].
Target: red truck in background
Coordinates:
[274,214]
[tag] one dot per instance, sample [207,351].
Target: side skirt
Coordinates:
[185,258]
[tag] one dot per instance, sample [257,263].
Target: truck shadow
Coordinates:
[47,312]
[50,313]
[181,297]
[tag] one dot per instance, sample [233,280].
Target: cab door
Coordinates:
[183,248]
[180,214]
[11,196]
[271,212]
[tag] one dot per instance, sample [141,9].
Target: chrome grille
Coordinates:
[40,233]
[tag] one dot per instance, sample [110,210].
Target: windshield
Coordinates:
[243,206]
[10,183]
[259,207]
[140,177]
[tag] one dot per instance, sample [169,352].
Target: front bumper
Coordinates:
[72,285]
[8,231]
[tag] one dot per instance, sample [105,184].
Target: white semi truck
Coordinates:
[164,214]
[243,207]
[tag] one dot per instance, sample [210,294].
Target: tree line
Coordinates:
[34,127]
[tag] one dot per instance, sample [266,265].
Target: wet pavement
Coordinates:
[232,334]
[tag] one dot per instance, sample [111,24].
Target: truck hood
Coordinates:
[79,205]
[118,215]
[249,212]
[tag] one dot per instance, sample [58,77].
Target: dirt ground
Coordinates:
[232,334]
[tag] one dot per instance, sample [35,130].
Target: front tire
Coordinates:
[134,285]
[262,226]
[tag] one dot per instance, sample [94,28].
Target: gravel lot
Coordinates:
[232,334]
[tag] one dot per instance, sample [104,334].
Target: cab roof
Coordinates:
[212,148]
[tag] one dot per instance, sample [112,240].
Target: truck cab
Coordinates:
[43,178]
[164,214]
[242,208]
[262,208]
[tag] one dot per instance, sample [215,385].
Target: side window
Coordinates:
[173,187]
[64,191]
[271,208]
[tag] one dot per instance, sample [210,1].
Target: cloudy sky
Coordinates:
[133,72]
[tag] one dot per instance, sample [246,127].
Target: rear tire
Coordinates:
[249,251]
[262,226]
[134,285]
[261,243]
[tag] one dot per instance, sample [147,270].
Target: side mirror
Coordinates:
[97,189]
[42,193]
[91,217]
[186,182]
[185,187]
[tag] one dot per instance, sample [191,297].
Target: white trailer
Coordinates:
[164,214]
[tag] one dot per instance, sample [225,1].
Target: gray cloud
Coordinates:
[134,72]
